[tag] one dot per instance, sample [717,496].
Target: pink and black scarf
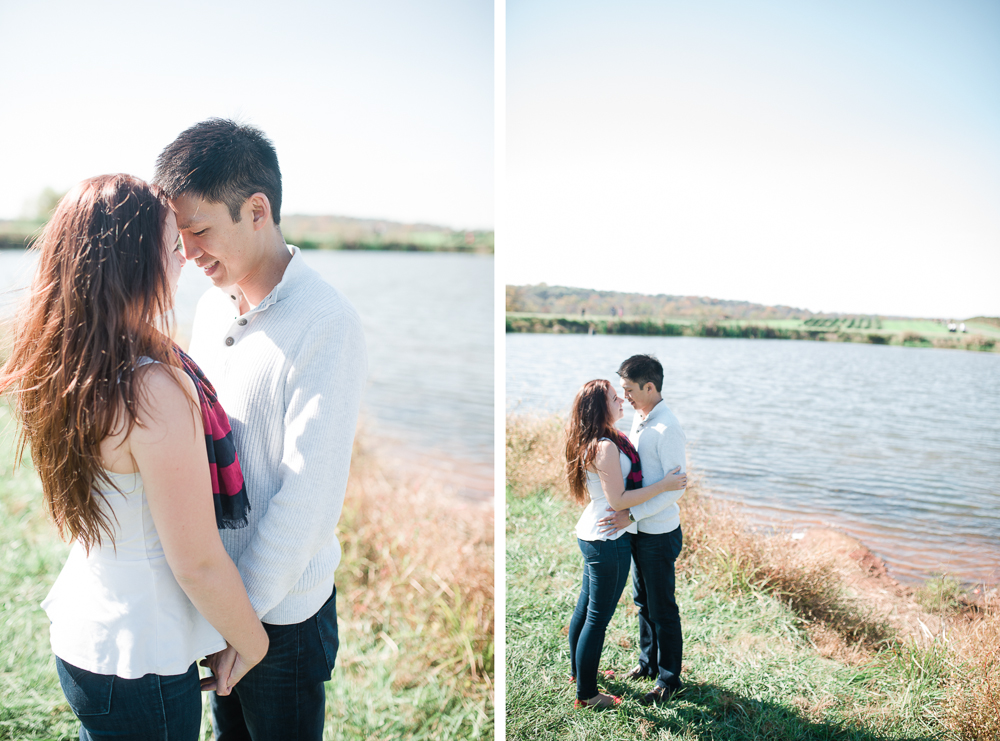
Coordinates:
[634,478]
[228,488]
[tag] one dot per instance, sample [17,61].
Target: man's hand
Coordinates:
[227,667]
[614,522]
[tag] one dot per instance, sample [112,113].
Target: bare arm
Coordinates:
[610,472]
[168,446]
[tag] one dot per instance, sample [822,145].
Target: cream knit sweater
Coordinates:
[289,373]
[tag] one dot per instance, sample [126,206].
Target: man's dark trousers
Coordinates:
[660,641]
[283,697]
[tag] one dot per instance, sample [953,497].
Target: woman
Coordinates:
[603,469]
[121,427]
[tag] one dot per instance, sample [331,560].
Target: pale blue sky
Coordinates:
[832,155]
[379,109]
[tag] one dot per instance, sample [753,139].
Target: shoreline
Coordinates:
[743,329]
[794,635]
[542,435]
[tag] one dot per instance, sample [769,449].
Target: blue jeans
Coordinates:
[150,708]
[660,641]
[283,697]
[605,569]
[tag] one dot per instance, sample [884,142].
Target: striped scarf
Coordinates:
[228,488]
[634,478]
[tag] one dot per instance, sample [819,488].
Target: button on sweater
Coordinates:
[290,373]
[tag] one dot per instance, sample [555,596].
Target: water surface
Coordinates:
[897,446]
[428,320]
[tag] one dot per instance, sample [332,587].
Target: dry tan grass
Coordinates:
[717,539]
[843,622]
[417,573]
[536,457]
[973,703]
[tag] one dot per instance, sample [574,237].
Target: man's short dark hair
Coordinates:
[643,369]
[223,162]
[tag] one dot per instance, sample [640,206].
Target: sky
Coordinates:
[832,155]
[380,109]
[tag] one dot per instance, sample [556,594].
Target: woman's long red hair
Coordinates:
[589,421]
[100,287]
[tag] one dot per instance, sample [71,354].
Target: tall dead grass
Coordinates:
[719,544]
[417,574]
[717,539]
[535,455]
[973,709]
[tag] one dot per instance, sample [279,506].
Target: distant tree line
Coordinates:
[545,299]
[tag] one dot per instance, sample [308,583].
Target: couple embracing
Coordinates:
[197,534]
[631,486]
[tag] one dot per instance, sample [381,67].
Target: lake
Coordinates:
[897,446]
[428,320]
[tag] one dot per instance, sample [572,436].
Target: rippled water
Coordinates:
[897,446]
[428,320]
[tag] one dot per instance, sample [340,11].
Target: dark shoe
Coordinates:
[658,694]
[638,672]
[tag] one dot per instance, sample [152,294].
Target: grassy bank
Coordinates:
[416,618]
[981,335]
[779,642]
[328,233]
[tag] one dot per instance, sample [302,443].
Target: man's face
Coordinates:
[223,249]
[638,397]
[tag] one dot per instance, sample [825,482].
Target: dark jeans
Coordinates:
[150,708]
[605,569]
[660,641]
[283,697]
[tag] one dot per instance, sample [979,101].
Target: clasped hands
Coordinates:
[227,667]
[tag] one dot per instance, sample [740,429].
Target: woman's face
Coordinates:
[174,252]
[614,404]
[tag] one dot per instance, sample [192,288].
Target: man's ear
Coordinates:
[260,209]
[648,387]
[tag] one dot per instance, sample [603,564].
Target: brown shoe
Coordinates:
[658,694]
[637,672]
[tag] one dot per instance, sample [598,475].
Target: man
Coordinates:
[286,354]
[660,441]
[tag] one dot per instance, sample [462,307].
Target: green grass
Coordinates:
[981,336]
[750,669]
[31,702]
[416,640]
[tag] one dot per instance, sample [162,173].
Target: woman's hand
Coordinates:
[228,667]
[611,524]
[674,480]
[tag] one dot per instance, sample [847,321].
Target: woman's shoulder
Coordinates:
[165,394]
[607,449]
[156,378]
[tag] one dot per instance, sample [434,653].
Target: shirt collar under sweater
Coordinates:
[653,414]
[295,271]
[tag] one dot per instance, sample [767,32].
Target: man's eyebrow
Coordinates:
[193,221]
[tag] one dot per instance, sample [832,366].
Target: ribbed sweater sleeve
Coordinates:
[669,452]
[326,375]
[290,374]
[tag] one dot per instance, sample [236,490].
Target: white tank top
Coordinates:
[119,609]
[587,527]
